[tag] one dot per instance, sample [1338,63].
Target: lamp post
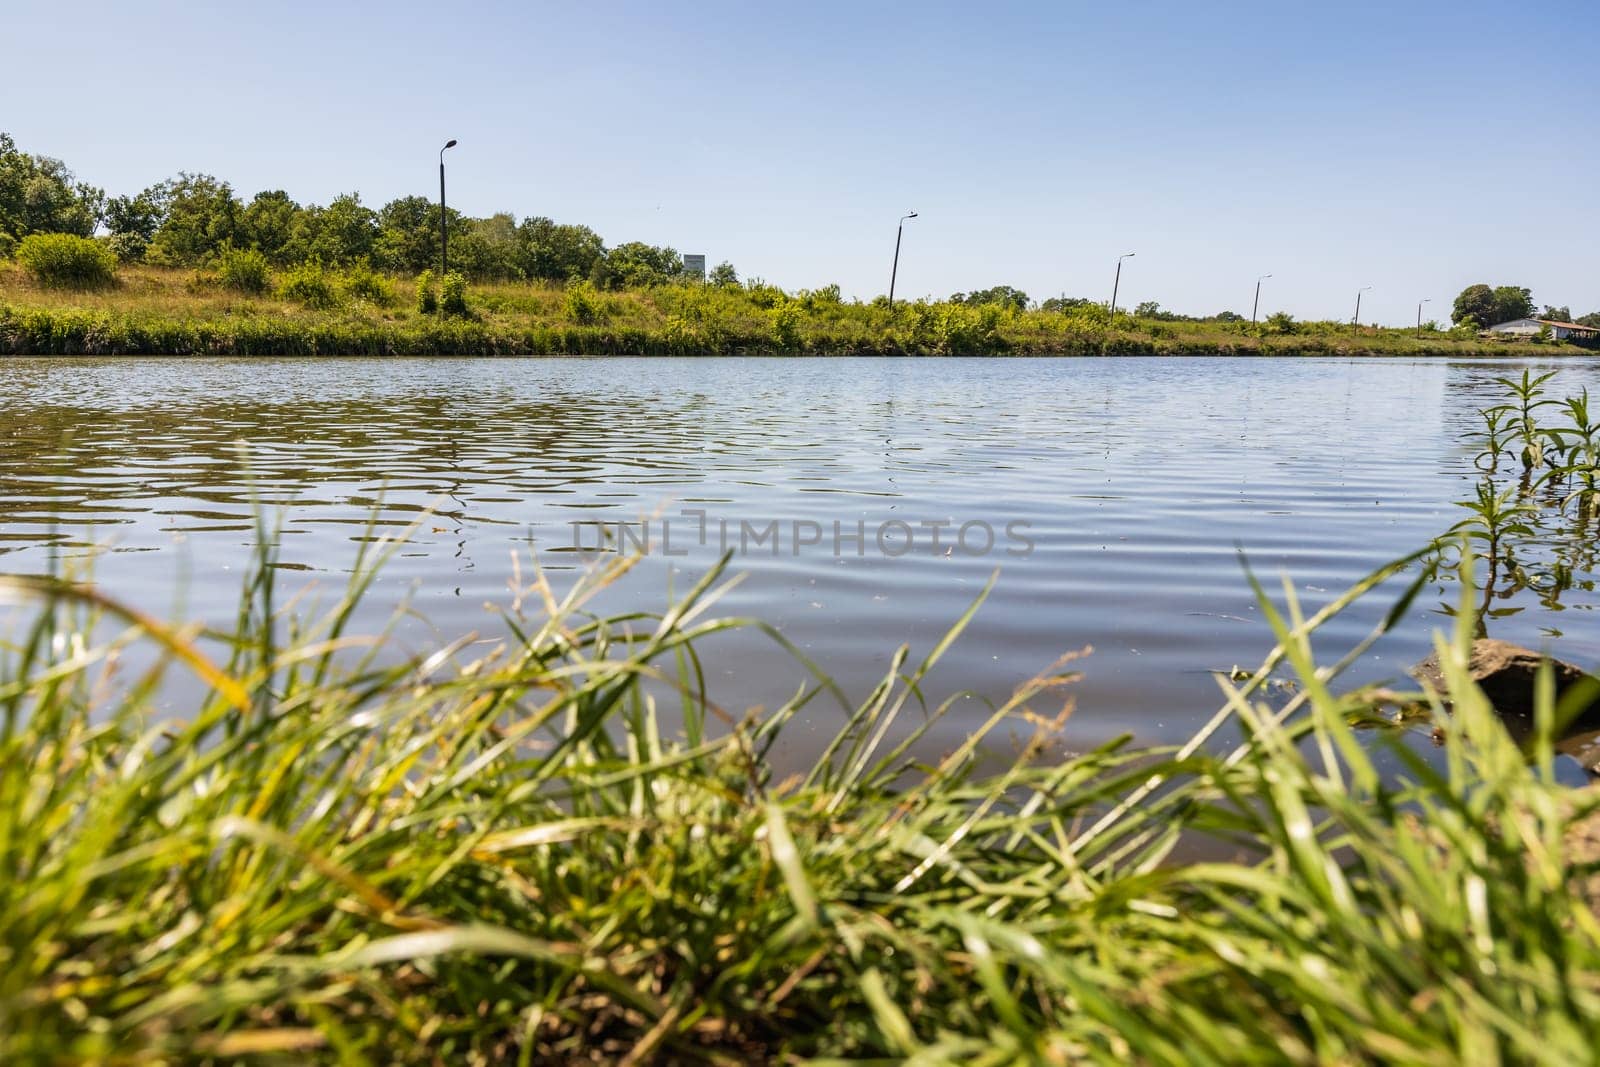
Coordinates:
[1117,283]
[1357,321]
[894,272]
[1257,305]
[1419,315]
[444,220]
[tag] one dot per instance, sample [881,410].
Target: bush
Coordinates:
[67,261]
[361,282]
[427,293]
[584,304]
[310,285]
[765,296]
[785,320]
[8,245]
[453,295]
[243,269]
[127,247]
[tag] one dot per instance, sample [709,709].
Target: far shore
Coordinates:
[181,312]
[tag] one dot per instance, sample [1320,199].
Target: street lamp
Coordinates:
[1115,285]
[1257,305]
[895,271]
[1419,315]
[444,220]
[1357,321]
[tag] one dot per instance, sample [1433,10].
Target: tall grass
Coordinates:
[154,310]
[504,855]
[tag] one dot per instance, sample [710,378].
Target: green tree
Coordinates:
[202,215]
[1064,303]
[488,248]
[408,234]
[1000,295]
[637,264]
[1556,314]
[1476,302]
[1591,319]
[1512,302]
[268,224]
[134,220]
[1148,310]
[558,252]
[723,276]
[338,235]
[1281,322]
[40,195]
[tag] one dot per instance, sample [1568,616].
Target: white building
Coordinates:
[1559,331]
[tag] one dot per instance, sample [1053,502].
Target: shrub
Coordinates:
[361,282]
[127,247]
[827,296]
[68,261]
[310,285]
[765,296]
[427,293]
[243,269]
[583,304]
[785,320]
[453,294]
[682,335]
[8,245]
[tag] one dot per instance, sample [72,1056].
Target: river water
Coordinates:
[859,498]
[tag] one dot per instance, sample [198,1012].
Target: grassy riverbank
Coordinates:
[153,310]
[505,856]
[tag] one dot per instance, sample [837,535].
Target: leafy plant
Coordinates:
[453,295]
[1527,394]
[785,325]
[244,270]
[1581,457]
[427,293]
[583,303]
[309,284]
[361,282]
[67,261]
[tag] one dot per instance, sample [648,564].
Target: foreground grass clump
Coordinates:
[501,856]
[348,311]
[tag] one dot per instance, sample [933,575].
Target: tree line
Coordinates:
[192,219]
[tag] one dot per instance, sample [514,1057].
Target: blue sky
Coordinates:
[1414,147]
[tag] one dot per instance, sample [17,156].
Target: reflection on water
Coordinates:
[1138,481]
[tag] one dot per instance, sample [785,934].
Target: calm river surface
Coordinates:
[1135,480]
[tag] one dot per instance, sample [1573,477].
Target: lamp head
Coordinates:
[451,143]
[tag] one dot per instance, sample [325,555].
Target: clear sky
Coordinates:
[1416,146]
